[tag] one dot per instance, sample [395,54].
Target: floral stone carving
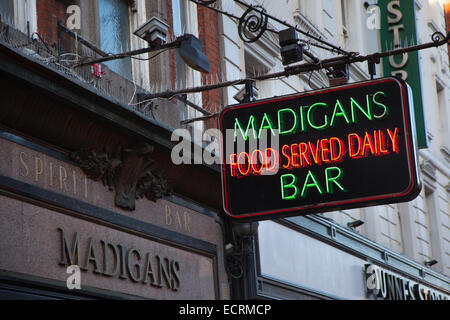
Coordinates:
[128,173]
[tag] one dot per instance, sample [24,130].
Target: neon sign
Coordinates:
[330,149]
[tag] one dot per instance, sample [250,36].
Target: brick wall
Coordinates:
[50,11]
[48,14]
[209,35]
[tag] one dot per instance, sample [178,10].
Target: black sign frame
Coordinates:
[407,144]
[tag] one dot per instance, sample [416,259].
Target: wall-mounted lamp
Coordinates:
[190,49]
[430,263]
[245,230]
[191,52]
[355,224]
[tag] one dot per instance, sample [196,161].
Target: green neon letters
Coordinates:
[333,180]
[385,108]
[251,123]
[311,184]
[269,125]
[317,116]
[290,185]
[281,122]
[339,114]
[367,112]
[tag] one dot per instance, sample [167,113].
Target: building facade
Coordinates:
[88,177]
[319,256]
[92,205]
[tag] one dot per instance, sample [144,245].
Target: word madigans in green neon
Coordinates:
[300,119]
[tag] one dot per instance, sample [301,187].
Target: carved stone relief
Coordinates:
[128,172]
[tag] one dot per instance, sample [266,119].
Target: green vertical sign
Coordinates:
[398,30]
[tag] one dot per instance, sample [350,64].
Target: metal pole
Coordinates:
[303,68]
[62,27]
[123,55]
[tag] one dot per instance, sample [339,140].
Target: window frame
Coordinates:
[110,64]
[185,76]
[24,16]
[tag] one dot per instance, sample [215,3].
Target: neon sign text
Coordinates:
[330,149]
[318,116]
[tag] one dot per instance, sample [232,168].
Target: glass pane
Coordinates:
[7,11]
[176,14]
[115,33]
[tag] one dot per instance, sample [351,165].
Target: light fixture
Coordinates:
[190,49]
[191,52]
[154,31]
[291,51]
[430,263]
[245,229]
[355,224]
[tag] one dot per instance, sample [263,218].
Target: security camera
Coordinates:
[154,31]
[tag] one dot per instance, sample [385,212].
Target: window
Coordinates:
[19,14]
[179,27]
[115,33]
[141,69]
[178,17]
[7,11]
[184,19]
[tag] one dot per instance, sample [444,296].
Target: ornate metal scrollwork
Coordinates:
[235,266]
[253,24]
[242,249]
[128,172]
[437,36]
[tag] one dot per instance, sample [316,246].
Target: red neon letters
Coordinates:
[256,163]
[333,150]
